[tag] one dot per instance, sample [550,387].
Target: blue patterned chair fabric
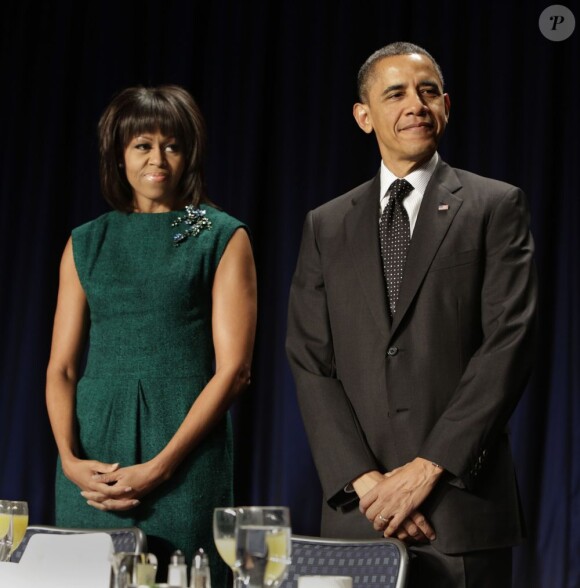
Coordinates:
[372,564]
[130,539]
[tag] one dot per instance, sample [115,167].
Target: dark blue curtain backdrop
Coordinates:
[276,82]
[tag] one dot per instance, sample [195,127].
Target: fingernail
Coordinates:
[432,537]
[135,502]
[128,489]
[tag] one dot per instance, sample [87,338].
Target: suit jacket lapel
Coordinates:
[362,234]
[438,208]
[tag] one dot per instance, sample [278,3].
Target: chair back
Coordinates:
[130,539]
[370,563]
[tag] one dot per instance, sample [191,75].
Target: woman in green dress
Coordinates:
[164,286]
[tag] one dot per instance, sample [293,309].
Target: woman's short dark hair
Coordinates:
[167,109]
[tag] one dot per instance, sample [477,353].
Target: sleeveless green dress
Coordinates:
[150,355]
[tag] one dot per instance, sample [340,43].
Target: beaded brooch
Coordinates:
[195,219]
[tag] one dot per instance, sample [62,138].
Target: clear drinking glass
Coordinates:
[19,510]
[224,536]
[6,530]
[134,569]
[13,525]
[262,545]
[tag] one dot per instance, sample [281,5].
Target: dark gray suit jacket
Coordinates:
[442,380]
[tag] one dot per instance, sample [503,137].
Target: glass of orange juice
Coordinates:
[19,511]
[13,524]
[6,529]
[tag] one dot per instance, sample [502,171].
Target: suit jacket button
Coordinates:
[392,351]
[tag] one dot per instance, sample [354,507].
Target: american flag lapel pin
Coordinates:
[442,206]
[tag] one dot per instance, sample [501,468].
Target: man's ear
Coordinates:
[362,116]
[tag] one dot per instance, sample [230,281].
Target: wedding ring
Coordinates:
[384,519]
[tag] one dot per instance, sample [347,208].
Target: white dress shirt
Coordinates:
[418,178]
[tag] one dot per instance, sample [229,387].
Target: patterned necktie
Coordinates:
[395,236]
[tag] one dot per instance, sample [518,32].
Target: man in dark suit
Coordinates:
[406,385]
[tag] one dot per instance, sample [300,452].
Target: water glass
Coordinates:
[134,569]
[263,545]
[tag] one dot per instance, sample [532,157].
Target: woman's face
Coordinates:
[154,165]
